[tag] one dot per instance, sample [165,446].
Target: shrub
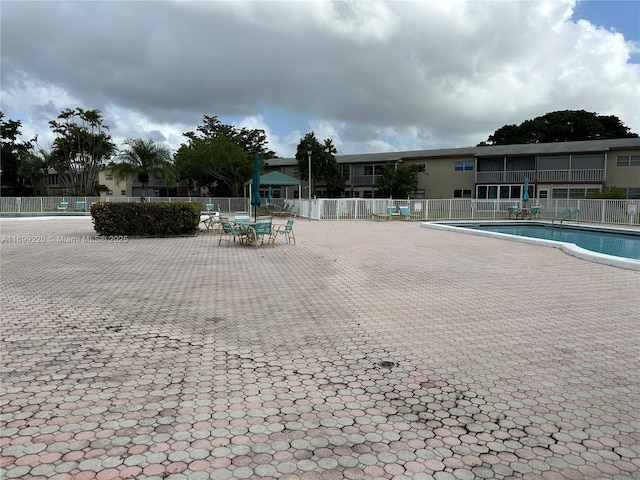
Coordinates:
[146,219]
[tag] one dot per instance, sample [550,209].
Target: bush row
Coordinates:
[146,219]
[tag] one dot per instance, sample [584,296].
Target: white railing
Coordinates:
[620,212]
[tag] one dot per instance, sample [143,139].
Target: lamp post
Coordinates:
[309,157]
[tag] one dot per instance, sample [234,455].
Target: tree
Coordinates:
[34,166]
[80,149]
[399,181]
[561,126]
[610,192]
[324,167]
[12,152]
[143,158]
[219,157]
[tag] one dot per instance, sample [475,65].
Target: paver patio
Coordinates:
[368,350]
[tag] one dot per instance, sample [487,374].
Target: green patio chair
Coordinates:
[392,210]
[286,231]
[63,206]
[405,213]
[229,231]
[242,218]
[262,228]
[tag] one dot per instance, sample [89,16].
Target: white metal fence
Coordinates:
[621,212]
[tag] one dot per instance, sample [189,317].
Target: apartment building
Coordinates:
[554,170]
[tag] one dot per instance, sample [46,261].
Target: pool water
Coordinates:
[619,244]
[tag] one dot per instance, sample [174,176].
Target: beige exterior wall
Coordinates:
[106,178]
[441,179]
[623,177]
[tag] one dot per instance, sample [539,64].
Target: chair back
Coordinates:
[242,218]
[263,226]
[289,226]
[404,210]
[391,209]
[226,225]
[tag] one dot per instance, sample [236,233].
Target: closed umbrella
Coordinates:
[269,197]
[525,194]
[255,186]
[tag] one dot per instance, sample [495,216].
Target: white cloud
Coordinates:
[373,76]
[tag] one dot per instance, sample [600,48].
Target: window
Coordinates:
[633,193]
[462,193]
[123,192]
[108,177]
[53,179]
[419,193]
[463,166]
[628,161]
[345,172]
[109,192]
[587,162]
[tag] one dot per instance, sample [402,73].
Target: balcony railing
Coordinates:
[551,176]
[505,176]
[592,175]
[364,180]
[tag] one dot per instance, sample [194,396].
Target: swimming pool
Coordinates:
[612,246]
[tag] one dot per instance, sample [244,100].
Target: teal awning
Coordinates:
[276,179]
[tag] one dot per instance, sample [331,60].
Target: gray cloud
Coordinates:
[375,75]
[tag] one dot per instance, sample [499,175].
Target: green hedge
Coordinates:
[146,219]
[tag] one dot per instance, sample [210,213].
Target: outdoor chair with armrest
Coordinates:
[393,211]
[286,231]
[262,228]
[242,218]
[63,206]
[229,231]
[405,213]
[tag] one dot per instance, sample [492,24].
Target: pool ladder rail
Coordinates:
[565,214]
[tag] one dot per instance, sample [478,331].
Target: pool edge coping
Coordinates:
[568,248]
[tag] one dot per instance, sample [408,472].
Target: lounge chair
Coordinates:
[63,206]
[513,211]
[286,231]
[80,206]
[405,213]
[393,211]
[229,231]
[213,217]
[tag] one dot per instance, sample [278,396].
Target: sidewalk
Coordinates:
[368,350]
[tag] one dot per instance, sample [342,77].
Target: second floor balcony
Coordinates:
[540,176]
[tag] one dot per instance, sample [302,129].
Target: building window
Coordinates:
[108,177]
[462,193]
[123,192]
[628,161]
[419,193]
[345,172]
[463,166]
[109,192]
[633,193]
[53,179]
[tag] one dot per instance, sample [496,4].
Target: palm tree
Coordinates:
[144,158]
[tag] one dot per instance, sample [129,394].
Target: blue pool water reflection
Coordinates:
[619,244]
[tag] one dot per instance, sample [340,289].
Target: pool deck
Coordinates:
[368,350]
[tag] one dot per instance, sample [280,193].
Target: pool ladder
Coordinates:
[566,213]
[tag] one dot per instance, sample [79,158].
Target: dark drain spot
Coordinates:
[387,364]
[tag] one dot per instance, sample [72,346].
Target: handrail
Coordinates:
[566,213]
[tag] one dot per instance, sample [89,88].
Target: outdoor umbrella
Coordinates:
[525,194]
[255,186]
[269,197]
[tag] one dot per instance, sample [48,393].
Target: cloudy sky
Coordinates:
[372,76]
